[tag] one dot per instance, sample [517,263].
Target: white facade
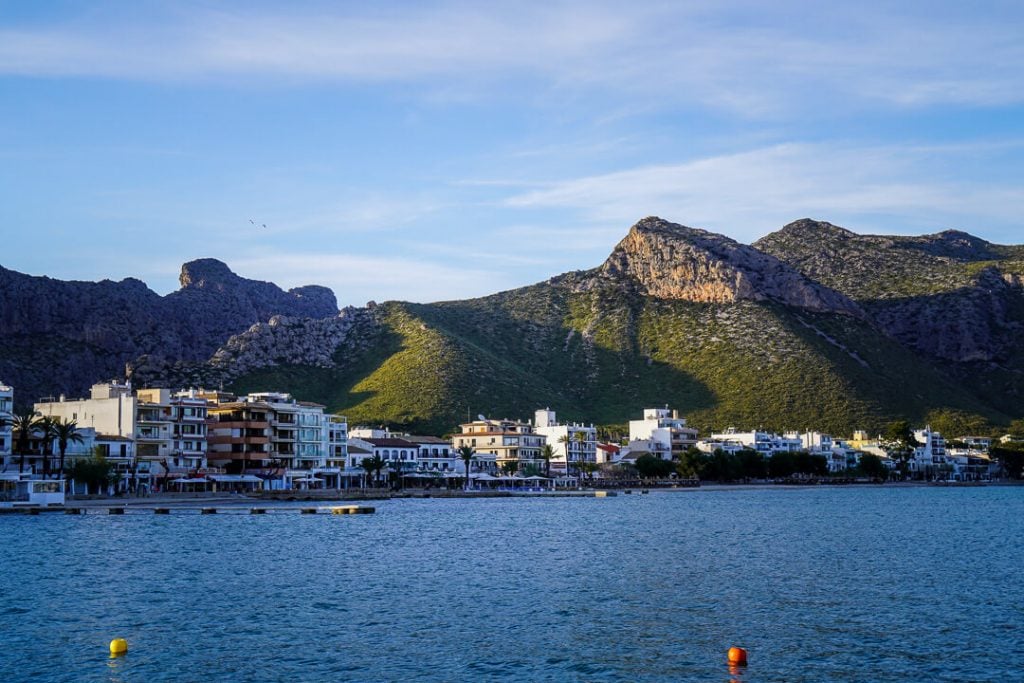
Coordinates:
[398,454]
[110,409]
[6,416]
[435,454]
[572,443]
[119,450]
[169,430]
[817,443]
[714,444]
[930,455]
[765,443]
[666,429]
[499,441]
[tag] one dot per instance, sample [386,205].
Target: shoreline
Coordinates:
[159,499]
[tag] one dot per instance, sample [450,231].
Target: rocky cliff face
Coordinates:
[101,325]
[950,296]
[671,261]
[281,341]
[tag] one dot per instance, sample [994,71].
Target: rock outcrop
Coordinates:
[671,261]
[948,296]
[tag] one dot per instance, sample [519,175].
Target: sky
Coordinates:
[440,150]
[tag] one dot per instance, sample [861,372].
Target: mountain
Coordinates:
[60,337]
[797,331]
[952,298]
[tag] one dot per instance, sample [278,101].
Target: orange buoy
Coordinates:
[737,656]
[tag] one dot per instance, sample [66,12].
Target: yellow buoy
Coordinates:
[737,656]
[118,647]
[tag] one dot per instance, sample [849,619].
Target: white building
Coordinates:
[6,416]
[168,429]
[765,443]
[929,459]
[713,444]
[337,448]
[435,454]
[398,454]
[572,443]
[497,442]
[978,443]
[664,431]
[110,409]
[824,445]
[118,450]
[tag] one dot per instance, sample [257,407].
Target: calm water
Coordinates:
[869,584]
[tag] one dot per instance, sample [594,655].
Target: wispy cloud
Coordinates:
[736,55]
[750,193]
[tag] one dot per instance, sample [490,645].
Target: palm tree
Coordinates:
[66,432]
[24,422]
[566,440]
[373,465]
[467,454]
[378,466]
[45,426]
[546,454]
[510,467]
[398,467]
[367,464]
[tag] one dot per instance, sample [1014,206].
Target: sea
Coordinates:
[873,583]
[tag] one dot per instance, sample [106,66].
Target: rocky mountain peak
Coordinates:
[317,298]
[809,228]
[672,261]
[959,245]
[206,272]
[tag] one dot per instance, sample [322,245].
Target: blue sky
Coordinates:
[438,150]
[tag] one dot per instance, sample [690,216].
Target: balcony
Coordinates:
[153,418]
[151,437]
[238,455]
[235,423]
[226,438]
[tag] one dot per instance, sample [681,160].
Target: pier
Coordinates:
[196,509]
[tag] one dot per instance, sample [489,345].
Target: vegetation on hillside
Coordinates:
[602,355]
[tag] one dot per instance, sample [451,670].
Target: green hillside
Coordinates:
[603,355]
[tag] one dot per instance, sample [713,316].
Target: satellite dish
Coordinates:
[480,417]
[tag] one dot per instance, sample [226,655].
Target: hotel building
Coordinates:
[500,441]
[663,432]
[573,443]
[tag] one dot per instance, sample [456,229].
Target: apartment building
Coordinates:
[168,429]
[434,453]
[499,441]
[277,437]
[824,445]
[662,432]
[413,453]
[765,443]
[572,443]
